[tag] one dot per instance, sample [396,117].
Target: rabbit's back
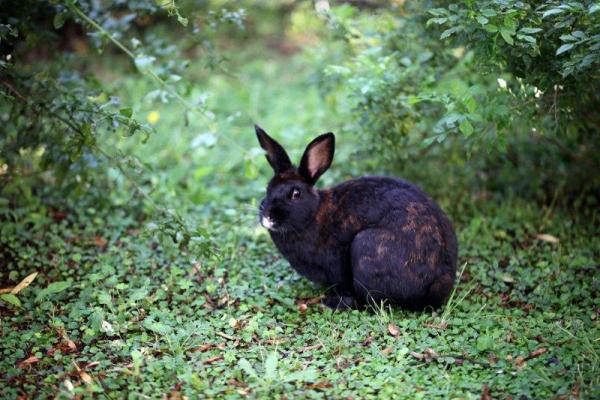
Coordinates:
[395,205]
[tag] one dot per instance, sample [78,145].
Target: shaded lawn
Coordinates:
[139,317]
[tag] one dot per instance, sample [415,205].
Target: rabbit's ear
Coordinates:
[317,157]
[276,155]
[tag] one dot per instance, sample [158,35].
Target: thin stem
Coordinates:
[100,29]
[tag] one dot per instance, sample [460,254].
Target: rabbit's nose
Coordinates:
[267,222]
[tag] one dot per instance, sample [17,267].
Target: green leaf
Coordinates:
[247,368]
[157,327]
[482,20]
[59,20]
[105,298]
[594,8]
[182,20]
[568,38]
[126,112]
[530,30]
[306,375]
[527,38]
[466,127]
[553,11]
[132,129]
[11,299]
[437,21]
[564,48]
[488,12]
[438,12]
[271,366]
[484,343]
[449,32]
[53,288]
[491,28]
[507,36]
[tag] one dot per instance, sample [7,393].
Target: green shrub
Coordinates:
[60,121]
[513,85]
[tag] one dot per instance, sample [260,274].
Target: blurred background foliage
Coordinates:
[509,87]
[495,98]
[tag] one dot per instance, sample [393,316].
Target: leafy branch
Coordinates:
[143,64]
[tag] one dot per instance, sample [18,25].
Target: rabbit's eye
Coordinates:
[295,194]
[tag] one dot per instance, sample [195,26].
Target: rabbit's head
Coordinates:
[292,201]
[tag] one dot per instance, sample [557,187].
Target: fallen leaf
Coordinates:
[311,300]
[545,237]
[275,341]
[310,348]
[575,391]
[536,353]
[208,346]
[100,241]
[416,355]
[212,360]
[176,392]
[441,325]
[28,361]
[92,364]
[520,362]
[6,290]
[58,216]
[86,377]
[492,358]
[24,283]
[485,395]
[203,347]
[387,350]
[431,353]
[393,330]
[319,385]
[236,383]
[226,336]
[71,345]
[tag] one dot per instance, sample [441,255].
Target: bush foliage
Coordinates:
[515,81]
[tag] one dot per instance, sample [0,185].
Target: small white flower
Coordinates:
[502,83]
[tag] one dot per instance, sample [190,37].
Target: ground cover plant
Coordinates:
[153,277]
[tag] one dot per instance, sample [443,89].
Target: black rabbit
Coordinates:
[369,239]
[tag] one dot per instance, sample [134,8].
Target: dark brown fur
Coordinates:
[370,238]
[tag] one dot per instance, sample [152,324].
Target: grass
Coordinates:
[117,312]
